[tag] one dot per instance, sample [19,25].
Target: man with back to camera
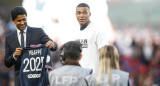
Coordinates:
[71,73]
[24,36]
[91,36]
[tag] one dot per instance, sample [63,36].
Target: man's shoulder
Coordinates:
[11,33]
[96,27]
[121,72]
[34,28]
[73,69]
[58,69]
[87,70]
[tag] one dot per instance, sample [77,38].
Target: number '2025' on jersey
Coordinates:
[35,62]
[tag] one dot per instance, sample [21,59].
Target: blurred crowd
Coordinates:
[139,49]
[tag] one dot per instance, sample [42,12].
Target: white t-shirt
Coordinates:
[92,39]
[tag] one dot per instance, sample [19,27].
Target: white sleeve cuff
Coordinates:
[15,58]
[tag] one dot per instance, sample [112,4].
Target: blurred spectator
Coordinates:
[133,38]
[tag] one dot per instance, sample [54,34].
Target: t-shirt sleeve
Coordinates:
[101,39]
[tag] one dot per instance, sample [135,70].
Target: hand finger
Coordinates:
[51,45]
[19,49]
[17,54]
[48,43]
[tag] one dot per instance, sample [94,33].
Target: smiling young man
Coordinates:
[91,36]
[24,36]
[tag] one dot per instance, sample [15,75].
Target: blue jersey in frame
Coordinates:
[35,62]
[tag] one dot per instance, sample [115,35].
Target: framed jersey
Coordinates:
[35,63]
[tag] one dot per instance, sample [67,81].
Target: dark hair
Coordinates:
[71,49]
[83,5]
[19,10]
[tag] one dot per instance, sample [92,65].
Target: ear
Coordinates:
[80,57]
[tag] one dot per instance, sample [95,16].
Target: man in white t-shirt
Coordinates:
[92,37]
[63,12]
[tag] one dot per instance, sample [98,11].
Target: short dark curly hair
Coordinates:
[71,49]
[19,10]
[83,5]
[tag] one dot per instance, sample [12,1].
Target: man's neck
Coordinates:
[72,62]
[84,26]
